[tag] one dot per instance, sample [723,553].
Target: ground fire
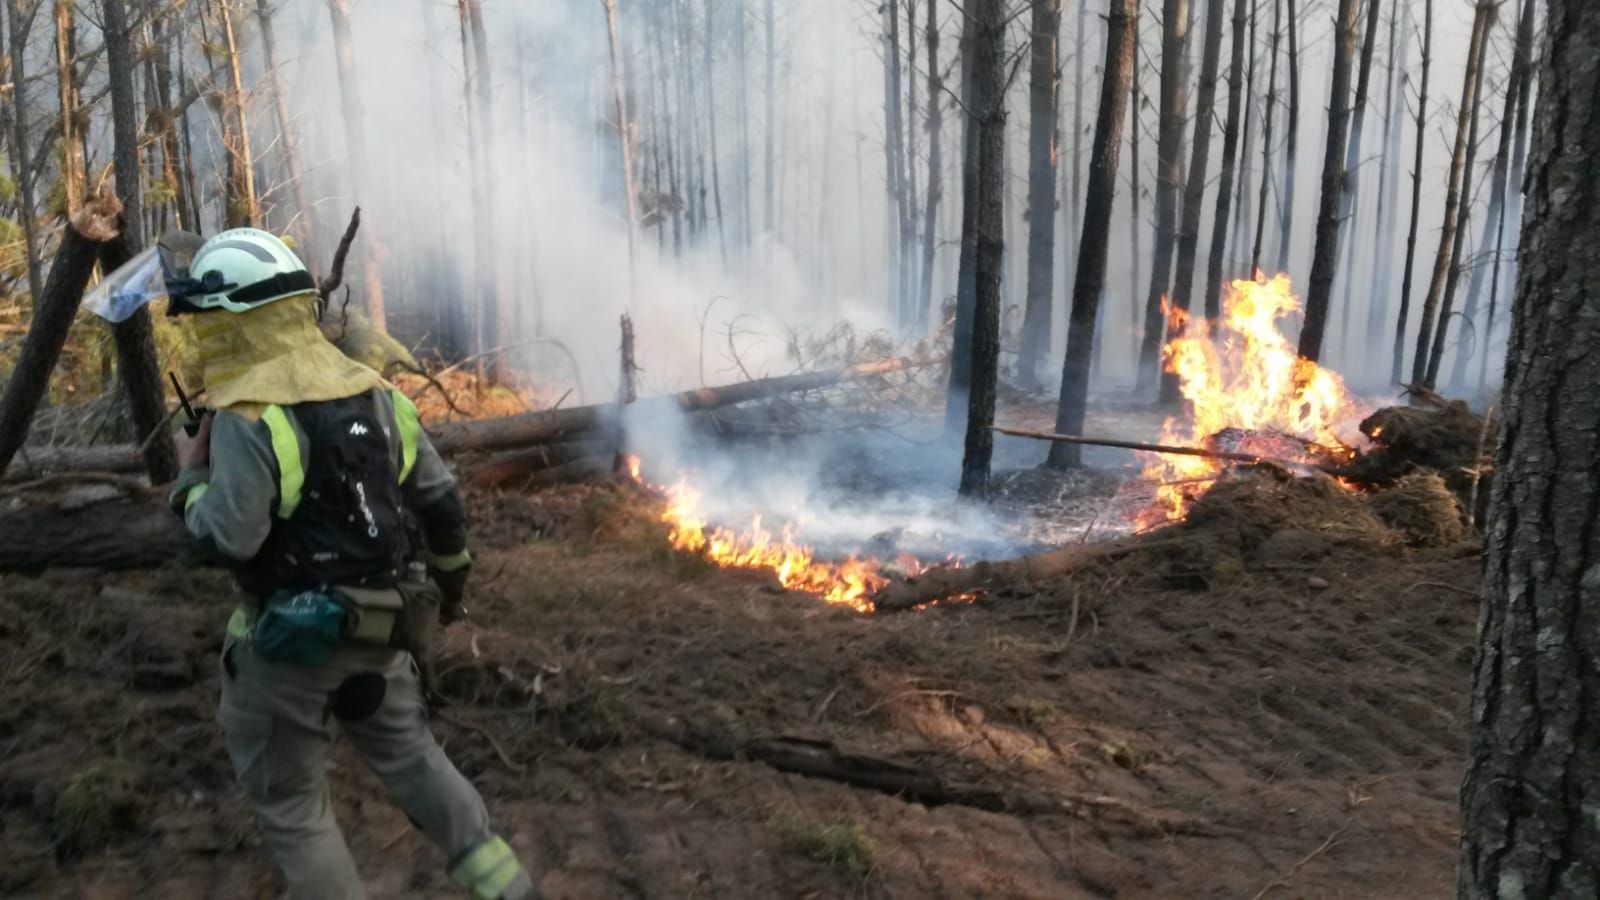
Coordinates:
[1245,389]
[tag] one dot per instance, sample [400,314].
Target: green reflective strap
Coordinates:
[410,425]
[488,870]
[194,495]
[291,474]
[239,623]
[455,562]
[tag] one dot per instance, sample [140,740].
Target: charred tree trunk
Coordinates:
[1533,769]
[1494,222]
[1074,207]
[53,312]
[1135,226]
[955,409]
[1325,256]
[1382,239]
[1230,148]
[1266,137]
[894,160]
[1350,197]
[1169,167]
[1416,197]
[358,163]
[1240,228]
[1088,282]
[1286,192]
[1044,136]
[19,19]
[74,179]
[1194,192]
[304,218]
[935,187]
[1457,188]
[989,111]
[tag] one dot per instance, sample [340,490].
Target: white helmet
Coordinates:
[239,270]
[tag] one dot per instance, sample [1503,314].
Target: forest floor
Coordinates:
[1292,730]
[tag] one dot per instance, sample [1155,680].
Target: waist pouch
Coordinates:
[305,628]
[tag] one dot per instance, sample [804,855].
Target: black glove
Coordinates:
[452,590]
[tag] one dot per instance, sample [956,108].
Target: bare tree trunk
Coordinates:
[1169,165]
[935,188]
[1533,769]
[1044,135]
[989,120]
[19,18]
[74,180]
[1325,256]
[1135,224]
[956,398]
[1350,197]
[625,139]
[358,162]
[1425,364]
[304,218]
[1075,206]
[161,118]
[1511,210]
[1286,239]
[1383,235]
[711,136]
[1230,146]
[1416,196]
[1494,222]
[1194,192]
[243,208]
[1266,138]
[740,30]
[1122,23]
[770,207]
[894,159]
[495,328]
[1241,221]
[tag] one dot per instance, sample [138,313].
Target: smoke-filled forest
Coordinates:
[885,448]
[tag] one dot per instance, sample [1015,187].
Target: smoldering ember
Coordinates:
[736,448]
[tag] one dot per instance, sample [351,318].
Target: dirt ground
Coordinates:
[1294,729]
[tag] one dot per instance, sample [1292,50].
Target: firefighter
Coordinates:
[305,479]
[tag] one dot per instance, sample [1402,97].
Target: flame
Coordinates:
[850,582]
[1246,376]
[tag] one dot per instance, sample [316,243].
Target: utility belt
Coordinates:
[305,627]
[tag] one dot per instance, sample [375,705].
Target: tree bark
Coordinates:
[243,206]
[935,188]
[1241,222]
[54,309]
[1169,167]
[1416,197]
[894,160]
[1194,192]
[1088,283]
[1135,225]
[1457,188]
[1533,771]
[494,328]
[988,78]
[358,162]
[1266,138]
[1044,138]
[74,179]
[1325,256]
[140,374]
[1287,192]
[1350,197]
[19,21]
[1230,148]
[1383,235]
[625,139]
[955,408]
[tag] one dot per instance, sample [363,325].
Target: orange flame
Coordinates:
[1245,376]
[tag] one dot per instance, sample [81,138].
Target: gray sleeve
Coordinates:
[232,511]
[430,478]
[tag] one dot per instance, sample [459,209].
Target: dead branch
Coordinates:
[336,271]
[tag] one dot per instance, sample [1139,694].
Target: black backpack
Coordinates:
[349,527]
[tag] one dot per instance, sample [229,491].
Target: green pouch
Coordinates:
[299,628]
[374,614]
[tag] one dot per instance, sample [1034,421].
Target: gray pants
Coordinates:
[275,718]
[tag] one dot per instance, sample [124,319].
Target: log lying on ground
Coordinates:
[36,462]
[53,313]
[514,468]
[539,427]
[129,533]
[943,582]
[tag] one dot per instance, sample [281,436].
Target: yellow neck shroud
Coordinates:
[274,354]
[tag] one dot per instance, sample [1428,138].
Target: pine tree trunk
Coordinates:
[1423,365]
[741,61]
[711,132]
[1075,206]
[1241,221]
[1350,198]
[1416,197]
[1383,235]
[894,158]
[1230,147]
[1266,138]
[304,218]
[1194,192]
[1135,224]
[19,23]
[935,188]
[1533,772]
[357,165]
[630,199]
[1169,166]
[769,209]
[1511,210]
[956,398]
[1044,135]
[1088,282]
[73,177]
[989,121]
[243,206]
[1325,256]
[1287,192]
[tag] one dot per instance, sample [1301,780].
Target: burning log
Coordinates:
[1314,456]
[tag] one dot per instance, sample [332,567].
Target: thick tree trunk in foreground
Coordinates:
[988,79]
[1169,168]
[1230,147]
[141,375]
[1194,192]
[54,309]
[358,163]
[1325,256]
[1533,772]
[1044,139]
[1416,198]
[1458,188]
[1089,281]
